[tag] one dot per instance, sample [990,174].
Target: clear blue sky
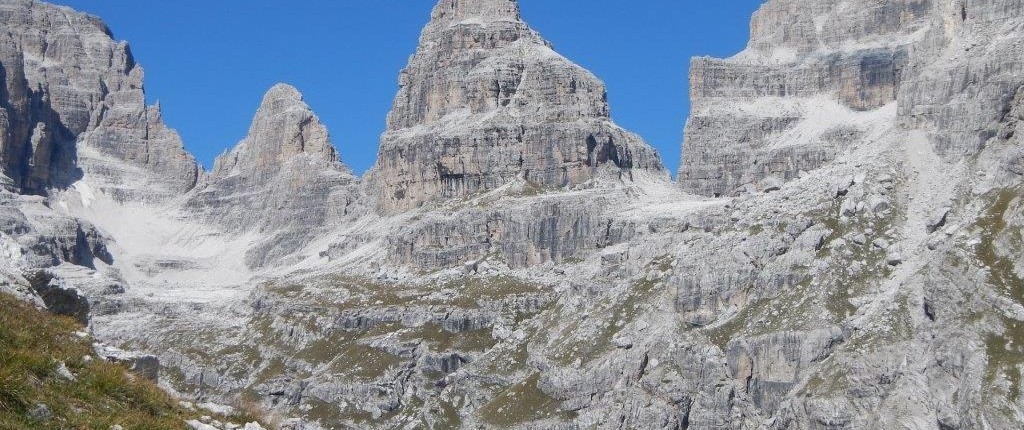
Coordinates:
[209,62]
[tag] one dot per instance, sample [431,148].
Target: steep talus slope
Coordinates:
[485,101]
[515,260]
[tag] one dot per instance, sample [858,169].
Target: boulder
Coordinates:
[144,365]
[59,298]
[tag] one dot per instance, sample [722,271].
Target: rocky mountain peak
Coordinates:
[75,109]
[282,96]
[283,180]
[485,101]
[284,127]
[860,268]
[454,11]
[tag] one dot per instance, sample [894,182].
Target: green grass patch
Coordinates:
[33,343]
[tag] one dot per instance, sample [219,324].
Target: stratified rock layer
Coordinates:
[73,106]
[872,281]
[797,95]
[484,101]
[284,181]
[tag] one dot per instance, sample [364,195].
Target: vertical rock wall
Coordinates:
[75,106]
[484,101]
[788,102]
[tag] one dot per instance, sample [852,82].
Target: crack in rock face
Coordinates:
[842,249]
[503,107]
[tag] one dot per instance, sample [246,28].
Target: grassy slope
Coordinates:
[33,343]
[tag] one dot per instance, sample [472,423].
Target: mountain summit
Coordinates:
[843,249]
[284,127]
[456,11]
[485,101]
[283,180]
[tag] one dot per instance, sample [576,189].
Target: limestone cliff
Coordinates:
[74,107]
[484,101]
[284,181]
[804,87]
[530,267]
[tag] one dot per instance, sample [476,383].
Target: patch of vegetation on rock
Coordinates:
[36,392]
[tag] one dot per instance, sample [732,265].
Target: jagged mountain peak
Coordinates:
[283,180]
[860,269]
[284,127]
[282,95]
[452,11]
[485,101]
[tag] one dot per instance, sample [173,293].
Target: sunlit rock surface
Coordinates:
[485,101]
[842,249]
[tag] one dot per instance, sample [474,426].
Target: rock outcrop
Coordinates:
[965,75]
[485,101]
[144,365]
[284,181]
[528,265]
[799,93]
[73,106]
[60,298]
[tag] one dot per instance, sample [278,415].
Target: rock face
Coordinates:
[800,91]
[73,105]
[284,180]
[284,128]
[60,299]
[484,101]
[962,83]
[528,265]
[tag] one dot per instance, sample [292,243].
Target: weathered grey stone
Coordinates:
[485,101]
[60,299]
[938,219]
[73,107]
[506,283]
[284,181]
[41,413]
[840,54]
[144,365]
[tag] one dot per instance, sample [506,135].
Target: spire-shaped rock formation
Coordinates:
[484,101]
[284,180]
[284,127]
[73,105]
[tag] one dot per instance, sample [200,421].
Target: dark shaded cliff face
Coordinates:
[73,105]
[36,150]
[862,269]
[485,101]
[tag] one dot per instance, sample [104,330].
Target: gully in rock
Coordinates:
[841,249]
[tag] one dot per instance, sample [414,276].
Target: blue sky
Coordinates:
[209,62]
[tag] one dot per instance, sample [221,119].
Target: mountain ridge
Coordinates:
[847,258]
